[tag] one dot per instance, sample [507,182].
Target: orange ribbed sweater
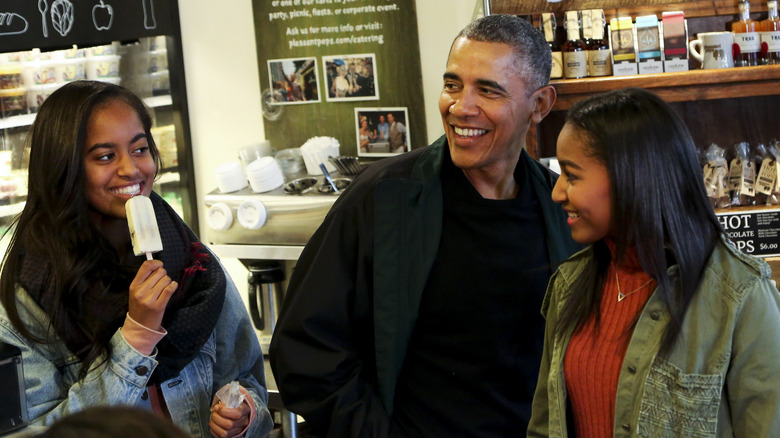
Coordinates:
[594,356]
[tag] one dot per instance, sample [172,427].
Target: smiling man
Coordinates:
[415,308]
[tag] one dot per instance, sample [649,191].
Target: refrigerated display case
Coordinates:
[47,43]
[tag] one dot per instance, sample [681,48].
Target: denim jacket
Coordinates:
[721,378]
[53,389]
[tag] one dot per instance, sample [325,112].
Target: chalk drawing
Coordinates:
[102,16]
[62,16]
[12,23]
[149,21]
[42,8]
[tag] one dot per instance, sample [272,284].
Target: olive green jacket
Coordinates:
[722,377]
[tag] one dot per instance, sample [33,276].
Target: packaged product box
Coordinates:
[648,44]
[675,41]
[621,39]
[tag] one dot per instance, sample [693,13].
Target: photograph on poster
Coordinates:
[351,77]
[381,132]
[294,81]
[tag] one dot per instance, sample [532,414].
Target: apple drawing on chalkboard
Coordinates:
[102,16]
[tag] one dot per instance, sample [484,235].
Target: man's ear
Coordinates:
[544,99]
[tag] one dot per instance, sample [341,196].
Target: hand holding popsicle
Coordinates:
[152,287]
[150,292]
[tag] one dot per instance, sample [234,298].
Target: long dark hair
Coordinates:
[659,203]
[54,225]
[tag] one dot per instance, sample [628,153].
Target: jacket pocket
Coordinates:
[676,404]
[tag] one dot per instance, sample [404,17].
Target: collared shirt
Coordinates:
[384,130]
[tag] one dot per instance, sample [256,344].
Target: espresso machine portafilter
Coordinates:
[265,294]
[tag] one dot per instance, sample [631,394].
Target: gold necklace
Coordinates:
[621,295]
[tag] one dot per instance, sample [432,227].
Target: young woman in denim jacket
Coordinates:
[660,328]
[98,325]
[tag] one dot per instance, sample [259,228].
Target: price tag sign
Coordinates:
[755,232]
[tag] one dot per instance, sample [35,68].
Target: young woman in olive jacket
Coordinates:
[661,327]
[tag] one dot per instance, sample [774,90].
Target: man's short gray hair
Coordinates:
[533,59]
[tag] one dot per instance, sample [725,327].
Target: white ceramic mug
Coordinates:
[713,49]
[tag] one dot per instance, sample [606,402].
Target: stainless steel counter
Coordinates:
[258,252]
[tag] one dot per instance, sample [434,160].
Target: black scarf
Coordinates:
[190,316]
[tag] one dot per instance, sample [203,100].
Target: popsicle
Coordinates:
[144,231]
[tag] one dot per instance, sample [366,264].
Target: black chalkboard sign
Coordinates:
[57,24]
[755,232]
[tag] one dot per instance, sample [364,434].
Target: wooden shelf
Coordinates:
[626,8]
[678,87]
[723,106]
[718,106]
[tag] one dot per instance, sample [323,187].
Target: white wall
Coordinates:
[223,89]
[220,61]
[438,22]
[223,92]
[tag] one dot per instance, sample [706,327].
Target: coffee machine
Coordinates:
[265,287]
[267,232]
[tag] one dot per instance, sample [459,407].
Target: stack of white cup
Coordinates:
[316,150]
[230,177]
[264,174]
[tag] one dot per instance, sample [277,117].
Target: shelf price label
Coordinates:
[755,232]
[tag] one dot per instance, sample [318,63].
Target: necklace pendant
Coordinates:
[621,296]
